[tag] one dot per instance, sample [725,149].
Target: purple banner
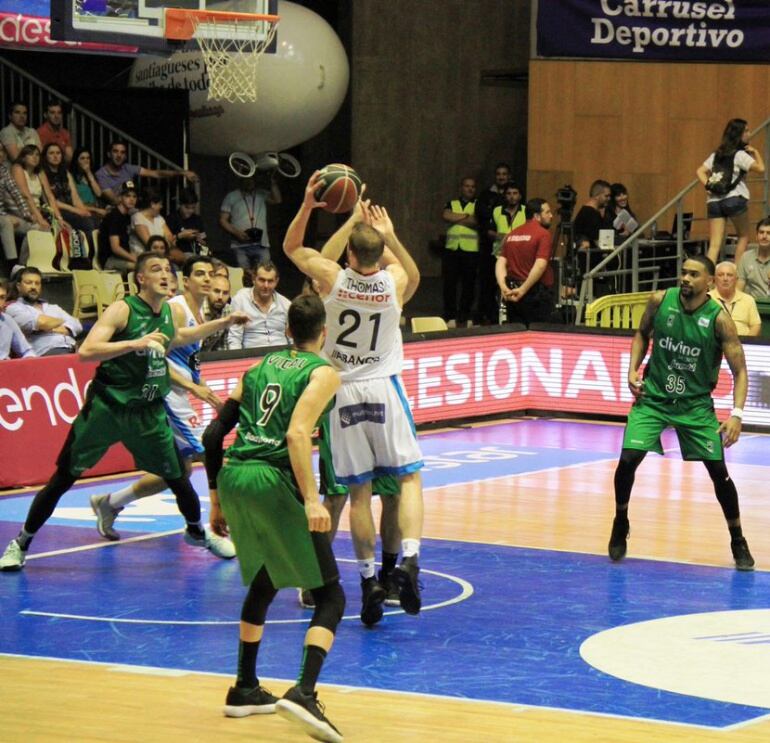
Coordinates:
[715,31]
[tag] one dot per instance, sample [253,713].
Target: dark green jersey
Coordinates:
[270,394]
[686,353]
[140,377]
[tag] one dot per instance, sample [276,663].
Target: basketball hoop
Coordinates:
[231,45]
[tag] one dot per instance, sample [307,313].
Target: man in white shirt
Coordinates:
[12,340]
[17,134]
[754,265]
[48,328]
[268,312]
[740,306]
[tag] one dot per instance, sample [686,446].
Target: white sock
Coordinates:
[366,568]
[410,547]
[121,498]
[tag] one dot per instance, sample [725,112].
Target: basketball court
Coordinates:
[527,632]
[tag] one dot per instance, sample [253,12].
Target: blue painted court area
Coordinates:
[499,623]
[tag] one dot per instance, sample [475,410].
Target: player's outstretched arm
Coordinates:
[733,351]
[324,382]
[641,343]
[185,335]
[99,346]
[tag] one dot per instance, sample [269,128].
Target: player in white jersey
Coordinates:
[372,430]
[184,371]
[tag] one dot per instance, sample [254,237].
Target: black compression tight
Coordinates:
[625,472]
[724,488]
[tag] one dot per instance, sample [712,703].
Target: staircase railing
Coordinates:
[641,266]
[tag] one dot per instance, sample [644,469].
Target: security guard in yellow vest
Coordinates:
[507,217]
[461,255]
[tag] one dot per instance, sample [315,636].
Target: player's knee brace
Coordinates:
[258,599]
[329,606]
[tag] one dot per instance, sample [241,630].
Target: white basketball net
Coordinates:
[231,51]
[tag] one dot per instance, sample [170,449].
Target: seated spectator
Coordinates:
[17,134]
[117,171]
[28,173]
[740,306]
[13,344]
[267,311]
[114,250]
[15,219]
[88,188]
[754,266]
[52,130]
[48,328]
[220,268]
[158,244]
[592,217]
[186,225]
[147,221]
[217,305]
[619,202]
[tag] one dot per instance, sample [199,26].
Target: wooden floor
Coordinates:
[674,517]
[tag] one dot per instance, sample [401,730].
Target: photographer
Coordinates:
[243,215]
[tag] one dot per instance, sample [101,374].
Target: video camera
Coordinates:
[566,197]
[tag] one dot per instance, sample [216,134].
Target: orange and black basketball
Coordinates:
[339,187]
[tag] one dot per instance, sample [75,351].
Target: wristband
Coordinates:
[737,413]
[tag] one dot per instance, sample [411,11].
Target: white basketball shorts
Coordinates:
[372,431]
[184,422]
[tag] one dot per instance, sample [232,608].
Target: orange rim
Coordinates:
[181,24]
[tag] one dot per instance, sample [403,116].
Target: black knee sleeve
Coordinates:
[329,606]
[625,472]
[724,487]
[186,499]
[258,599]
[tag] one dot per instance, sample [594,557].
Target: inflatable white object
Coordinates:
[300,88]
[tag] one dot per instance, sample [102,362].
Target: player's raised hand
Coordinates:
[318,518]
[237,318]
[380,220]
[310,201]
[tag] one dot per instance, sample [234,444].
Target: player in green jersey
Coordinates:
[125,403]
[271,506]
[689,332]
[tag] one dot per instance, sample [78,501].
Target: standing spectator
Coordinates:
[217,305]
[48,328]
[17,134]
[88,188]
[65,193]
[148,221]
[28,173]
[754,266]
[723,174]
[114,251]
[52,130]
[619,202]
[186,225]
[117,171]
[506,217]
[461,254]
[592,216]
[523,269]
[12,340]
[266,308]
[243,215]
[740,306]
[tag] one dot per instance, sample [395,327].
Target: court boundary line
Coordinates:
[348,689]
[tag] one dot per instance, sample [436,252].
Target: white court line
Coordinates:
[101,545]
[465,593]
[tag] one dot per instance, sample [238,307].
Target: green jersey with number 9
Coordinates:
[686,353]
[140,377]
[270,393]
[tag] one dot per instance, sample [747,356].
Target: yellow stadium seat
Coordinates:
[85,289]
[236,279]
[428,324]
[42,251]
[620,311]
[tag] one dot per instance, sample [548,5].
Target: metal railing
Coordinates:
[86,128]
[643,265]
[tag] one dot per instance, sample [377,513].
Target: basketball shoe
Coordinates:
[617,546]
[391,588]
[372,596]
[405,576]
[219,546]
[244,702]
[305,709]
[13,558]
[105,516]
[741,554]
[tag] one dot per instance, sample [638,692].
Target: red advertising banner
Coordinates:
[451,378]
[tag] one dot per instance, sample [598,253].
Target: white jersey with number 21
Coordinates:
[363,316]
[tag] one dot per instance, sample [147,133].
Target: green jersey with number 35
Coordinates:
[270,393]
[686,353]
[139,377]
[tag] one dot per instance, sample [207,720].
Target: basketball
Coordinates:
[339,187]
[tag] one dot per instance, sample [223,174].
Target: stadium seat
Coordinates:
[428,324]
[85,289]
[42,253]
[619,311]
[236,279]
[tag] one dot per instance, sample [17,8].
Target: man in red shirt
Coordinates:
[523,269]
[52,129]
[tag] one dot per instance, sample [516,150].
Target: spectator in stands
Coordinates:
[186,225]
[754,266]
[506,217]
[217,305]
[618,202]
[15,219]
[740,306]
[523,269]
[13,344]
[243,215]
[158,244]
[48,328]
[28,173]
[461,254]
[17,134]
[52,130]
[117,171]
[219,269]
[148,221]
[88,187]
[266,308]
[592,215]
[114,250]
[65,193]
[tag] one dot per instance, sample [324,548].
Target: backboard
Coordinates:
[136,23]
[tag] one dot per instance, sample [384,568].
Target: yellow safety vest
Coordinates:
[460,236]
[500,218]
